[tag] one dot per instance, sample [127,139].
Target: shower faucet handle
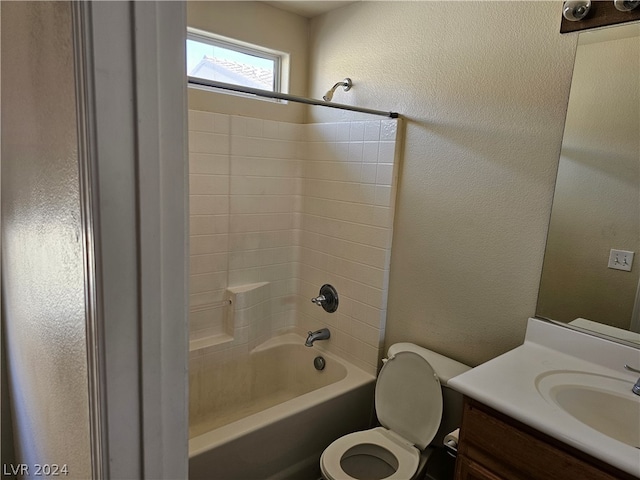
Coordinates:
[318,300]
[327,299]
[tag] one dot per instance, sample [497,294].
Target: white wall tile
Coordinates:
[386,152]
[292,132]
[208,204]
[368,173]
[384,175]
[383,195]
[343,132]
[356,132]
[221,123]
[206,263]
[208,184]
[211,143]
[238,125]
[254,127]
[356,150]
[207,282]
[208,224]
[238,145]
[200,121]
[370,152]
[372,131]
[261,204]
[206,299]
[271,129]
[269,206]
[202,244]
[208,164]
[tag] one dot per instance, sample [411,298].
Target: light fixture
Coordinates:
[625,5]
[576,10]
[346,85]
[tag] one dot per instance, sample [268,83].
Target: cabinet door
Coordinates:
[498,447]
[469,470]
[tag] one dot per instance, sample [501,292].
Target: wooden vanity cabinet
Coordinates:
[494,446]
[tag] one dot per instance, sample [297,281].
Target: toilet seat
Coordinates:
[377,442]
[408,401]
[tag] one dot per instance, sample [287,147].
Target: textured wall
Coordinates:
[42,264]
[596,205]
[6,432]
[484,87]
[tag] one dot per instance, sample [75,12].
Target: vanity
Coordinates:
[495,446]
[559,406]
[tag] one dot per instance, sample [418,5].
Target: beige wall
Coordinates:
[6,432]
[259,24]
[43,295]
[596,204]
[484,88]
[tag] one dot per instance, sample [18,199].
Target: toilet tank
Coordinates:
[445,368]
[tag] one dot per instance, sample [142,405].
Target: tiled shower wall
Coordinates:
[296,206]
[209,149]
[347,219]
[244,195]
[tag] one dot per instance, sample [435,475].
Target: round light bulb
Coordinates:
[576,10]
[625,5]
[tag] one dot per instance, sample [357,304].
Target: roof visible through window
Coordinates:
[217,60]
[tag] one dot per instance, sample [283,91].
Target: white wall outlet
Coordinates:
[620,260]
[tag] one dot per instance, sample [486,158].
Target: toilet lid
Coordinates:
[409,398]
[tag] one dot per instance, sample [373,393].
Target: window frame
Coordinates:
[278,58]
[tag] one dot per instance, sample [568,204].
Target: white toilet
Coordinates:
[409,405]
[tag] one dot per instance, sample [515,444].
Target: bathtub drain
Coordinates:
[319,363]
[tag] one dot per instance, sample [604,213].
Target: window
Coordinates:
[223,60]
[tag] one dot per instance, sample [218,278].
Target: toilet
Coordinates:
[409,405]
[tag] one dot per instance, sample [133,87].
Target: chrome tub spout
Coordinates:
[322,334]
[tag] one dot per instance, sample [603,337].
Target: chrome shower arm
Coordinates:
[346,85]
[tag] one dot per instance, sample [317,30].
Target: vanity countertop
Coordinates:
[508,384]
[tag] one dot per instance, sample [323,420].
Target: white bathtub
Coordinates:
[271,415]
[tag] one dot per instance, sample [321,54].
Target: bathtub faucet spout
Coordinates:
[321,334]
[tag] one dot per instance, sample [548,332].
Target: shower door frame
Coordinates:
[132,151]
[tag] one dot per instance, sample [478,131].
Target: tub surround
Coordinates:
[511,384]
[293,206]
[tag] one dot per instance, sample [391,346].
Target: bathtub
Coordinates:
[271,415]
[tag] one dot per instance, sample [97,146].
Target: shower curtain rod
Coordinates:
[285,96]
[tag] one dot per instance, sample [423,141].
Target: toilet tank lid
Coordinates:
[444,367]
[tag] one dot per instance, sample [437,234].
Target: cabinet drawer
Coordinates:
[512,450]
[469,470]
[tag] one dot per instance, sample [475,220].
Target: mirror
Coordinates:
[596,206]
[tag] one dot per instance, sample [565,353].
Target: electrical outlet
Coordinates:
[620,260]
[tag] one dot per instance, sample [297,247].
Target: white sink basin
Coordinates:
[569,385]
[601,402]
